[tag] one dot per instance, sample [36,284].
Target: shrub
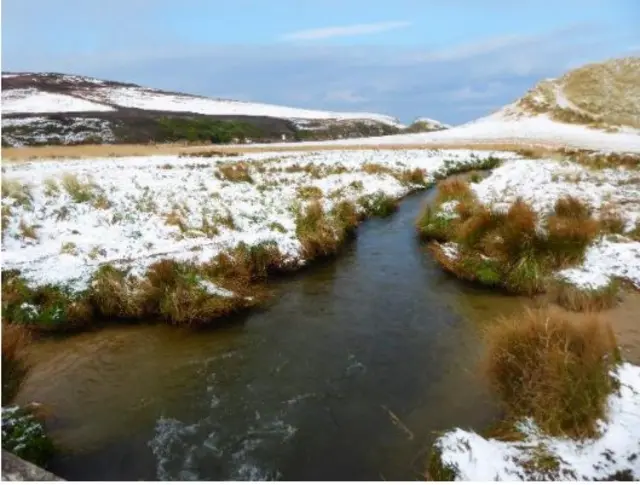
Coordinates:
[545,366]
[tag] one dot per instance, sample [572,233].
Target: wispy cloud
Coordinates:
[344,31]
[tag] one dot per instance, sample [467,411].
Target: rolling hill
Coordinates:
[53,108]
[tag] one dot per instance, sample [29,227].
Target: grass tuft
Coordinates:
[587,299]
[78,191]
[378,204]
[552,368]
[235,172]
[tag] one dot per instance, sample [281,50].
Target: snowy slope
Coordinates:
[34,101]
[142,98]
[79,93]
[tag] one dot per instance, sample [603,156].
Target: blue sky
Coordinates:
[452,60]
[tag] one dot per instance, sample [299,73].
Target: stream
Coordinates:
[348,374]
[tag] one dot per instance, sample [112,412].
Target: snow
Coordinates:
[605,260]
[498,129]
[35,101]
[541,183]
[432,122]
[133,231]
[475,458]
[143,98]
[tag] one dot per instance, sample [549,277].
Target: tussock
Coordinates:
[553,368]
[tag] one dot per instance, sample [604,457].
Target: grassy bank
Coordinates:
[512,245]
[138,246]
[568,405]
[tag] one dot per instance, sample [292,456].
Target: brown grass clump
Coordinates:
[611,220]
[316,232]
[78,191]
[235,172]
[549,367]
[246,264]
[15,342]
[454,189]
[570,230]
[114,295]
[416,176]
[585,299]
[309,192]
[375,169]
[346,216]
[27,231]
[176,218]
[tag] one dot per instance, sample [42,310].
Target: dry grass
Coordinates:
[611,220]
[235,172]
[453,189]
[101,151]
[15,342]
[587,300]
[317,234]
[549,367]
[77,190]
[19,192]
[507,249]
[309,192]
[27,231]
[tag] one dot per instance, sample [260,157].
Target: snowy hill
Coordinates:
[34,93]
[596,106]
[52,108]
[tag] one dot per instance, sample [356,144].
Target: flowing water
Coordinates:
[349,374]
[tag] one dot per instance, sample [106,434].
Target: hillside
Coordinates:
[602,95]
[596,106]
[52,108]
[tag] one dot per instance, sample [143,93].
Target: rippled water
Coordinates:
[348,374]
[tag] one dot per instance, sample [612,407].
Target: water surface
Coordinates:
[348,374]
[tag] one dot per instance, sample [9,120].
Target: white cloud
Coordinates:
[344,31]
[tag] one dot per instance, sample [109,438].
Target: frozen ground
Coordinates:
[142,209]
[538,457]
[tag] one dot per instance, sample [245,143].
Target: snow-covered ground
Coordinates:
[617,449]
[542,182]
[498,129]
[35,101]
[136,195]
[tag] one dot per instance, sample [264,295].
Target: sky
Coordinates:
[452,60]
